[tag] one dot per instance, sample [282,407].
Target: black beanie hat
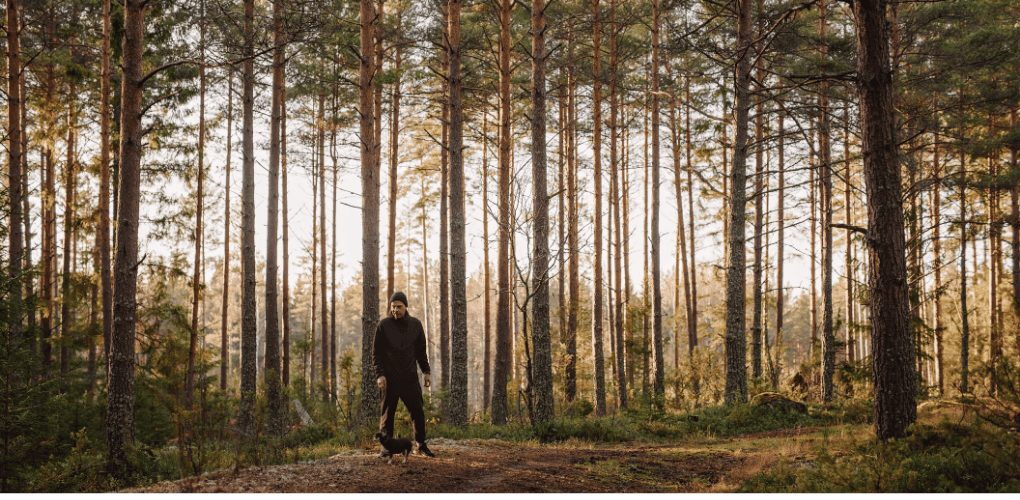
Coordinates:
[399,296]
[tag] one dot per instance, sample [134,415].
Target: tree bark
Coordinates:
[444,221]
[196,277]
[561,157]
[757,329]
[369,212]
[646,301]
[570,375]
[1014,201]
[736,349]
[682,269]
[964,313]
[825,166]
[285,221]
[895,384]
[391,240]
[936,240]
[813,202]
[487,338]
[596,320]
[542,367]
[225,305]
[781,251]
[249,316]
[14,162]
[120,398]
[614,203]
[995,256]
[276,407]
[70,215]
[851,321]
[332,387]
[458,411]
[103,229]
[323,300]
[316,206]
[692,320]
[504,334]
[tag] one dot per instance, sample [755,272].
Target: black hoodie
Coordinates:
[399,344]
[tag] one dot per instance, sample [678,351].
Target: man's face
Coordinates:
[397,309]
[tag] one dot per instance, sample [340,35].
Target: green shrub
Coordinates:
[82,469]
[948,457]
[602,430]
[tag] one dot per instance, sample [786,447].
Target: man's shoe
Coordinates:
[424,450]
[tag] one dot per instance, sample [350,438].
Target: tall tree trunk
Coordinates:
[49,200]
[14,162]
[646,301]
[487,338]
[964,313]
[660,370]
[570,375]
[103,228]
[504,334]
[70,215]
[596,320]
[561,158]
[692,320]
[425,263]
[369,212]
[120,396]
[458,411]
[1014,221]
[813,217]
[391,240]
[759,217]
[444,221]
[736,349]
[851,320]
[285,222]
[332,261]
[196,277]
[628,364]
[323,309]
[542,368]
[249,316]
[995,254]
[316,206]
[276,408]
[936,240]
[895,384]
[681,238]
[825,166]
[614,204]
[780,251]
[26,210]
[225,305]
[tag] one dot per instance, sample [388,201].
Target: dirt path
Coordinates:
[502,466]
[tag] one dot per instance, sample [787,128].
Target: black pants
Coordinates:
[410,393]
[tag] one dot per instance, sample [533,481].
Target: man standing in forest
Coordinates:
[399,344]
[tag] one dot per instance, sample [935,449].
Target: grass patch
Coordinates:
[946,457]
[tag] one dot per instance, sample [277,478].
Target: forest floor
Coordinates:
[701,464]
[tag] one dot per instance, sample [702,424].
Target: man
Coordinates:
[399,345]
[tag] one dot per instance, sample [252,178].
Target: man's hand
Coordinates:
[381,383]
[428,380]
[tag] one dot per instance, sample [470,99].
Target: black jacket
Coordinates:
[398,345]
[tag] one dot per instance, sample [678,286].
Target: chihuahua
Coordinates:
[394,445]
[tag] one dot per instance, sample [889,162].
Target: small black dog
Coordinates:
[394,445]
